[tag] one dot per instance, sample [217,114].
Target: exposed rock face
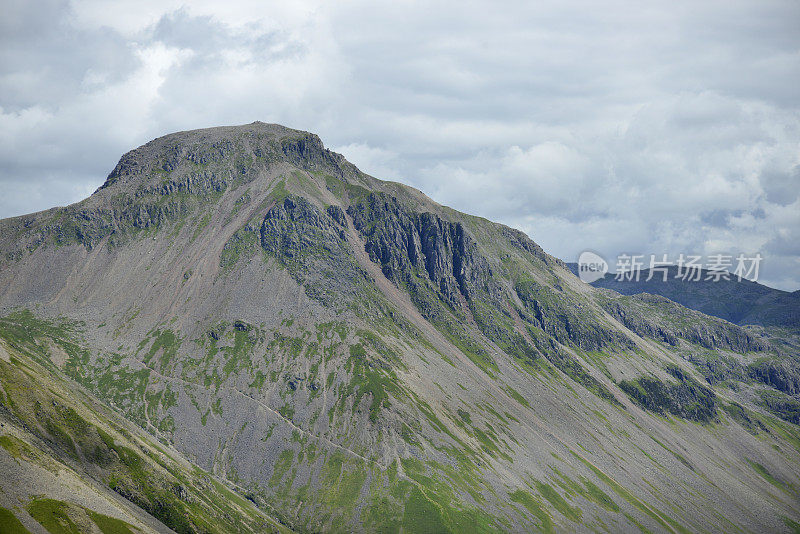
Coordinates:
[295,228]
[311,243]
[408,244]
[639,324]
[519,240]
[308,152]
[210,160]
[171,177]
[552,311]
[678,322]
[716,368]
[784,406]
[783,375]
[337,214]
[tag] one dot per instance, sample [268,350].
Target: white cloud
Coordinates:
[374,161]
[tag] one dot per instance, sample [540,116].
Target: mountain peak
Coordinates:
[218,150]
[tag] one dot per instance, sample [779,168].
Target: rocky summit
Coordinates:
[242,332]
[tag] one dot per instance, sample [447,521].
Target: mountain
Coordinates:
[742,302]
[302,346]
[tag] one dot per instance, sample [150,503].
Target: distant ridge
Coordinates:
[741,302]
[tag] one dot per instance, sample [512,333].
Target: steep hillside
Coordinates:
[351,356]
[62,453]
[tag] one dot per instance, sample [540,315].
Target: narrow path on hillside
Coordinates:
[401,473]
[269,409]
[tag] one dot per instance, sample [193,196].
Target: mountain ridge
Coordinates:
[358,357]
[742,302]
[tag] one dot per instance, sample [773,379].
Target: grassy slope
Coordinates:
[50,423]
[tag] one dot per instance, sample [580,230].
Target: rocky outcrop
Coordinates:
[552,311]
[521,240]
[637,323]
[256,339]
[783,375]
[687,399]
[408,244]
[659,318]
[784,406]
[311,244]
[715,367]
[172,176]
[337,214]
[308,152]
[296,227]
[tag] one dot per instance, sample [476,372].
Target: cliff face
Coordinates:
[351,356]
[408,244]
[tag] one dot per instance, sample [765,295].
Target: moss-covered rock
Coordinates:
[687,399]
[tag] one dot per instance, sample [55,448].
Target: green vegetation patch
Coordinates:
[281,467]
[342,480]
[421,515]
[18,449]
[279,192]
[242,244]
[794,526]
[749,420]
[369,378]
[687,399]
[201,225]
[54,413]
[659,517]
[166,341]
[766,475]
[58,517]
[558,502]
[589,491]
[25,332]
[110,525]
[517,397]
[9,524]
[782,405]
[55,516]
[432,502]
[534,506]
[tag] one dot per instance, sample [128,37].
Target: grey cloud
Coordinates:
[718,217]
[209,38]
[781,186]
[43,59]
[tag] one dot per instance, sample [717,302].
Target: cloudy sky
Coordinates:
[639,127]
